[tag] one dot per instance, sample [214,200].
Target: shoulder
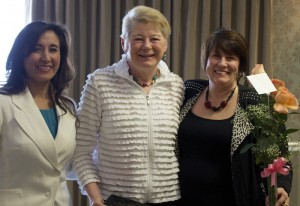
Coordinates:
[248,95]
[102,76]
[7,108]
[196,84]
[5,96]
[175,79]
[119,69]
[193,87]
[167,75]
[69,104]
[5,99]
[102,71]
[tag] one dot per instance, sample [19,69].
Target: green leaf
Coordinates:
[288,131]
[294,113]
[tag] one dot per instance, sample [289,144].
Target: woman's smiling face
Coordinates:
[43,62]
[145,45]
[222,68]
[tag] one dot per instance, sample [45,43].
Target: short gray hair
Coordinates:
[145,14]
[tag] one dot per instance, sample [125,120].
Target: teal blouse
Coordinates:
[51,120]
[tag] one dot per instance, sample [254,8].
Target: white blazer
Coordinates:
[33,165]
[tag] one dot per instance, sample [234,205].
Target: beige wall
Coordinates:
[286,66]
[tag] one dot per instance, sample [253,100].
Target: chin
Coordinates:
[149,64]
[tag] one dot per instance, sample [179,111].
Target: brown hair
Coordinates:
[228,41]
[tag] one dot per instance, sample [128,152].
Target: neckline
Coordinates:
[143,84]
[222,105]
[207,119]
[49,109]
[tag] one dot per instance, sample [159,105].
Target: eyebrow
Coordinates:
[156,34]
[51,45]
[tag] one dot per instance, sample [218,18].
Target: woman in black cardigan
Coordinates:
[213,130]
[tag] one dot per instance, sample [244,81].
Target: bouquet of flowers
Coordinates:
[268,119]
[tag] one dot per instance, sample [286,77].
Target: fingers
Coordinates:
[282,198]
[287,202]
[97,202]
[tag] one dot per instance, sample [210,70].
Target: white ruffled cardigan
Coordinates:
[129,134]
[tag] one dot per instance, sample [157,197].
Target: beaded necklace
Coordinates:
[222,104]
[143,84]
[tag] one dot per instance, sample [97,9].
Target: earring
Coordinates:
[241,77]
[164,58]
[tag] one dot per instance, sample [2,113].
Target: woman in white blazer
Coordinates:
[37,121]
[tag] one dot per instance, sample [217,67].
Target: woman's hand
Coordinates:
[282,198]
[94,194]
[97,202]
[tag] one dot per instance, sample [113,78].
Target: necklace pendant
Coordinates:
[223,104]
[154,78]
[145,85]
[207,104]
[215,109]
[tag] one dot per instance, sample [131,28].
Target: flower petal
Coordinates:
[258,69]
[278,83]
[280,108]
[286,98]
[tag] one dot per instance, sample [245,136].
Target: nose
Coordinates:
[222,61]
[46,56]
[147,44]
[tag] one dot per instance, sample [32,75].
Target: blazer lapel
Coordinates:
[65,137]
[32,122]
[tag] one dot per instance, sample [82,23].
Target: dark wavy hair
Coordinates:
[23,46]
[228,41]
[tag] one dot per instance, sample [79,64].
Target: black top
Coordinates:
[205,174]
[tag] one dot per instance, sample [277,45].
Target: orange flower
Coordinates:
[285,100]
[258,69]
[277,84]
